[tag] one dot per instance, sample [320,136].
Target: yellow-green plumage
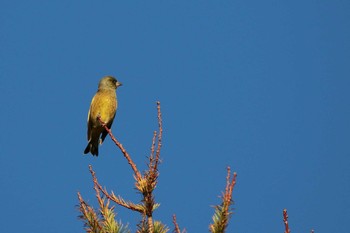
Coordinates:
[103,104]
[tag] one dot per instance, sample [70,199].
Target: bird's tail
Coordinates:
[92,148]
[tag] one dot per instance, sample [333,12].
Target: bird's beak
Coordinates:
[118,84]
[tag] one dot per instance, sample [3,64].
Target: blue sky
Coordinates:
[261,86]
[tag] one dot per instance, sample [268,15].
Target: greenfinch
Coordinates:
[104,105]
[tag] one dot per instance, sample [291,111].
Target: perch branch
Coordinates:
[125,153]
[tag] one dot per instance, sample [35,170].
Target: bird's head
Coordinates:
[109,82]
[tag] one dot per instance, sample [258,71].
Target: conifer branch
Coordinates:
[104,220]
[142,227]
[117,199]
[107,213]
[146,183]
[222,212]
[89,216]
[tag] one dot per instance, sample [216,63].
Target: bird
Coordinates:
[104,105]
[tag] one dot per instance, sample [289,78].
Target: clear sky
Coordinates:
[261,86]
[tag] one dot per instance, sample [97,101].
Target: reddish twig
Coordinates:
[177,228]
[125,153]
[285,220]
[230,184]
[160,134]
[153,147]
[96,187]
[154,160]
[112,197]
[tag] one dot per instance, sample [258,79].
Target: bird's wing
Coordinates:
[89,121]
[104,132]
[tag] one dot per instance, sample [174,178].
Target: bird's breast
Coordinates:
[104,105]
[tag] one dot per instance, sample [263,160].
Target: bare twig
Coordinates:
[125,153]
[160,134]
[285,220]
[177,228]
[229,188]
[151,157]
[97,190]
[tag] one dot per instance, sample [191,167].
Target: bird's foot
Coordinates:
[99,119]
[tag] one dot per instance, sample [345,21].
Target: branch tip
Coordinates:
[176,225]
[285,220]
